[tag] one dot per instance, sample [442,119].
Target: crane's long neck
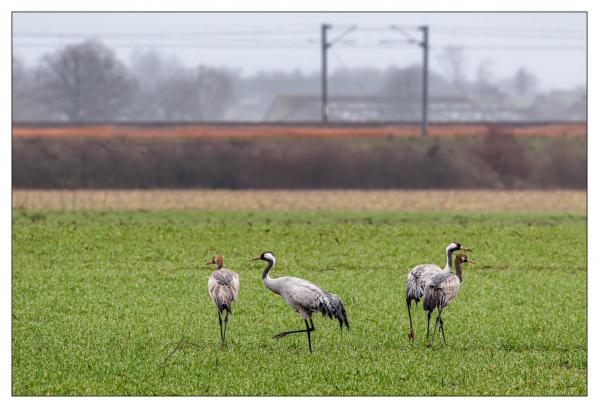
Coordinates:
[448,264]
[272,284]
[458,268]
[266,270]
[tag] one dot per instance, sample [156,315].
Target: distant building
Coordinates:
[385,108]
[248,109]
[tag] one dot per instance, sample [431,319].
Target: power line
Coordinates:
[408,37]
[500,31]
[514,47]
[251,43]
[545,36]
[273,33]
[509,29]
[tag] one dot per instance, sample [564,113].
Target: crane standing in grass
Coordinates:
[304,297]
[223,287]
[441,289]
[420,275]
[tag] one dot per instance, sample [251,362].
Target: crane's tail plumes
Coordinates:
[430,299]
[414,285]
[223,297]
[332,306]
[413,290]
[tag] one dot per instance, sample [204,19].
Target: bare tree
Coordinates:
[216,92]
[25,104]
[524,82]
[201,94]
[177,98]
[151,67]
[405,83]
[85,82]
[454,62]
[485,88]
[484,73]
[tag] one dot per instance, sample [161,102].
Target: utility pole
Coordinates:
[425,46]
[324,45]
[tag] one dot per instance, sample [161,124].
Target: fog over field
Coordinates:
[503,41]
[267,66]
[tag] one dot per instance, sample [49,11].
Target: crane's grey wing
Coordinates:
[440,290]
[304,294]
[449,289]
[437,279]
[235,284]
[223,276]
[300,292]
[417,279]
[230,279]
[223,286]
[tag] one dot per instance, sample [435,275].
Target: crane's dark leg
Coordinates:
[307,330]
[220,323]
[285,333]
[441,326]
[428,324]
[411,332]
[435,330]
[225,329]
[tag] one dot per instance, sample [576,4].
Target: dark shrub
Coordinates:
[497,160]
[563,165]
[505,154]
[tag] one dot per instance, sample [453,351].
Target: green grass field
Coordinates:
[113,303]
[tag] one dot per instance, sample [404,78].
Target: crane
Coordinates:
[420,275]
[223,287]
[304,297]
[441,289]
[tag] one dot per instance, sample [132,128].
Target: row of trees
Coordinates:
[87,82]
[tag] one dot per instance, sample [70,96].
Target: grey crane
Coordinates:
[304,297]
[223,287]
[441,289]
[418,278]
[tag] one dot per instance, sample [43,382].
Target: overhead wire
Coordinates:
[294,38]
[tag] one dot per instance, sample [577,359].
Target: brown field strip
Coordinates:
[253,131]
[370,200]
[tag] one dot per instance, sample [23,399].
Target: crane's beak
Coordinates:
[466,249]
[471,261]
[255,259]
[209,263]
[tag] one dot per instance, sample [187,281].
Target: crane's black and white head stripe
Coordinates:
[454,246]
[268,257]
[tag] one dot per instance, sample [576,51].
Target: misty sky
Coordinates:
[550,45]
